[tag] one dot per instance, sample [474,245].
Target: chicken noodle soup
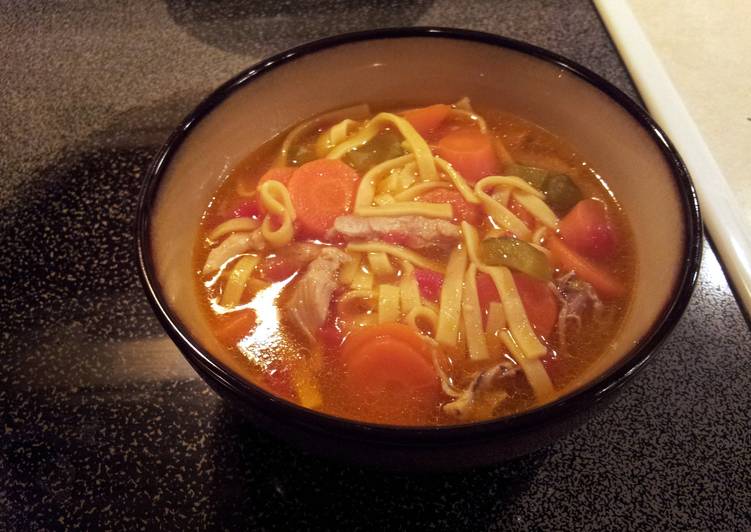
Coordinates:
[416,266]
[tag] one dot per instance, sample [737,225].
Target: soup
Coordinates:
[414,266]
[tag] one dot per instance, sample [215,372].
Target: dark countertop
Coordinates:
[104,424]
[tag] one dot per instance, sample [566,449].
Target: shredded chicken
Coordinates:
[309,304]
[231,246]
[483,392]
[576,296]
[414,232]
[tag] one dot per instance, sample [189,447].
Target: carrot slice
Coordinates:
[539,302]
[426,119]
[388,377]
[462,209]
[470,152]
[587,229]
[320,191]
[401,332]
[277,173]
[569,259]
[235,326]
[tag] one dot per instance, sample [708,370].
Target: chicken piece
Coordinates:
[482,395]
[309,304]
[414,232]
[232,246]
[576,296]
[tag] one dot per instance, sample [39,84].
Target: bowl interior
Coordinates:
[381,71]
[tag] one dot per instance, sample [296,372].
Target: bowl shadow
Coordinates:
[260,480]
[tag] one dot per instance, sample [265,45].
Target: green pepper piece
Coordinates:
[561,193]
[384,146]
[518,255]
[532,175]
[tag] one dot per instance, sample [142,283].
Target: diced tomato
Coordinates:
[486,292]
[243,208]
[430,283]
[462,209]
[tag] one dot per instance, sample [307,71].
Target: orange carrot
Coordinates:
[235,326]
[320,191]
[388,374]
[426,119]
[463,210]
[539,302]
[399,331]
[567,258]
[470,152]
[587,229]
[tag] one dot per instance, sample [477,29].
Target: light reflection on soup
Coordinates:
[421,266]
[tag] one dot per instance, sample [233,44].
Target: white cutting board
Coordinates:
[691,61]
[705,46]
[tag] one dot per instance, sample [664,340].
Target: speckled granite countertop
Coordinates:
[106,427]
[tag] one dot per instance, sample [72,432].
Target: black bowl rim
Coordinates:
[564,406]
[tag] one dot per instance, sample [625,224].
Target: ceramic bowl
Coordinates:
[422,65]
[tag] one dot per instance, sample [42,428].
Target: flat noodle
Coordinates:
[408,208]
[380,264]
[358,112]
[409,291]
[424,314]
[539,235]
[362,280]
[275,198]
[469,115]
[516,316]
[472,243]
[492,181]
[451,298]
[383,199]
[495,327]
[232,226]
[367,188]
[417,144]
[419,189]
[398,252]
[537,208]
[238,278]
[388,303]
[356,301]
[458,181]
[398,180]
[349,268]
[472,313]
[335,135]
[534,370]
[501,215]
[502,195]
